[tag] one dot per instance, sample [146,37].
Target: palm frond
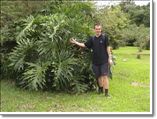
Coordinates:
[35,75]
[29,21]
[17,56]
[64,69]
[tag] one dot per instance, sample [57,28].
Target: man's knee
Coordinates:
[105,77]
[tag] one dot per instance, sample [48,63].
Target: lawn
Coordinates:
[129,89]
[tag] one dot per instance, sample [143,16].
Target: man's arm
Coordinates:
[77,43]
[109,54]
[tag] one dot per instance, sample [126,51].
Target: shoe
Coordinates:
[100,90]
[107,96]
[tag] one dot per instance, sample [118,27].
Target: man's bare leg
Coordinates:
[105,81]
[100,81]
[100,84]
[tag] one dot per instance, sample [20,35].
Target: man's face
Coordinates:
[97,29]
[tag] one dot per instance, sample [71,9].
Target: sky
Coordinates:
[112,2]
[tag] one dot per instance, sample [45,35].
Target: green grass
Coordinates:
[129,89]
[130,50]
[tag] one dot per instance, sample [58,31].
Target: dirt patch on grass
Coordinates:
[138,84]
[26,106]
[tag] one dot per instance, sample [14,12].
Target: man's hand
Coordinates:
[73,41]
[110,61]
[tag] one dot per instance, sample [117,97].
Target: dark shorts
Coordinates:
[100,70]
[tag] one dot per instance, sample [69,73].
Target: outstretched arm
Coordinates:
[73,41]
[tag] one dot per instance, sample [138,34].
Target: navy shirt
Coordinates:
[99,48]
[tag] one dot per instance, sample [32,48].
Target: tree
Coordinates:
[137,14]
[143,37]
[113,21]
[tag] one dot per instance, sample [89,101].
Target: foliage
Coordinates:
[12,15]
[43,56]
[137,14]
[113,21]
[136,36]
[143,38]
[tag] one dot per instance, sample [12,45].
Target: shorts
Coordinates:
[101,70]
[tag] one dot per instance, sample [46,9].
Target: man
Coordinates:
[101,57]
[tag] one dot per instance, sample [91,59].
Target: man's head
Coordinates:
[97,29]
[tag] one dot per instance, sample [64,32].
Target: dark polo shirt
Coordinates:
[99,48]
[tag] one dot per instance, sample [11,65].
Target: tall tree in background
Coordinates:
[137,33]
[113,21]
[137,14]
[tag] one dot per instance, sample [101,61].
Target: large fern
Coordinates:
[44,55]
[19,53]
[64,68]
[28,23]
[34,75]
